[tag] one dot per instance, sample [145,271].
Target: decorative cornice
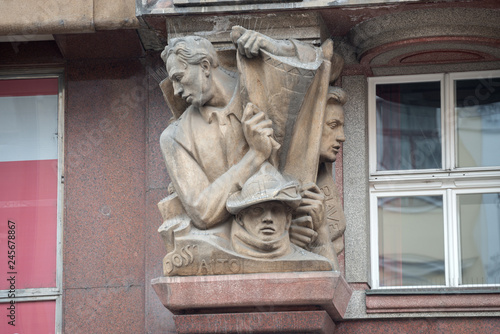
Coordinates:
[404,31]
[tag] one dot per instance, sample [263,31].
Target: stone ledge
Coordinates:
[188,3]
[214,294]
[267,322]
[432,303]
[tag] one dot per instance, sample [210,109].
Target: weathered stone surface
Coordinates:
[230,293]
[355,159]
[421,24]
[167,6]
[223,2]
[34,17]
[306,27]
[471,302]
[256,322]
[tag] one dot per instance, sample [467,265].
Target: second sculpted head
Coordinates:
[333,126]
[190,61]
[267,221]
[264,206]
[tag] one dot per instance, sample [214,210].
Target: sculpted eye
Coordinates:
[277,210]
[332,125]
[176,78]
[256,210]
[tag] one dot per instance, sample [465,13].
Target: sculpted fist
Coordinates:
[311,212]
[313,204]
[302,233]
[258,132]
[249,42]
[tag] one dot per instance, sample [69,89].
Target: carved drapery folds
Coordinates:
[250,156]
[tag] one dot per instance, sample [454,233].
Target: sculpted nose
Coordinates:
[178,89]
[266,217]
[341,136]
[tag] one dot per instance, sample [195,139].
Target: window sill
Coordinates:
[383,301]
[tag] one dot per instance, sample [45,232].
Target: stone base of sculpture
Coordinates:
[201,252]
[306,302]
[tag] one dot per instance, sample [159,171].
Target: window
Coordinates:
[435,180]
[30,203]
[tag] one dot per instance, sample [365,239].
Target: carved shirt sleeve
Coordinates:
[199,173]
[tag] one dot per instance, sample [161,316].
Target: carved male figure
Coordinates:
[331,141]
[322,229]
[215,146]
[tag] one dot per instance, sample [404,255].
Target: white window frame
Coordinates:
[55,293]
[449,181]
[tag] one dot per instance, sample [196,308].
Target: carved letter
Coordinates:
[234,266]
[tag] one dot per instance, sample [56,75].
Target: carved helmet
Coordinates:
[264,186]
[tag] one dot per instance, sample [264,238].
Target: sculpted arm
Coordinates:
[205,201]
[249,43]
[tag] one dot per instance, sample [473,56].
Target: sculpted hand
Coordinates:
[258,132]
[249,42]
[304,229]
[313,205]
[301,232]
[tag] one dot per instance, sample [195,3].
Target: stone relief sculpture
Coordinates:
[249,156]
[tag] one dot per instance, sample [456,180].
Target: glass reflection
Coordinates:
[480,238]
[411,241]
[408,126]
[478,122]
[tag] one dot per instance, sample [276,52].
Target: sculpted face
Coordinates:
[333,133]
[191,82]
[266,221]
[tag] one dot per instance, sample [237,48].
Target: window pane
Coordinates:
[28,181]
[478,122]
[408,126]
[480,238]
[30,317]
[411,241]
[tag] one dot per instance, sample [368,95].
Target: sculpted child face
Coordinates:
[333,132]
[266,221]
[191,81]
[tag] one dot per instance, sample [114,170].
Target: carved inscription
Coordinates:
[179,259]
[331,210]
[219,266]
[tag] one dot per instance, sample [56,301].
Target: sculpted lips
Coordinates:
[267,230]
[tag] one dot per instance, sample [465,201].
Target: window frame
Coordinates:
[450,181]
[54,293]
[372,119]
